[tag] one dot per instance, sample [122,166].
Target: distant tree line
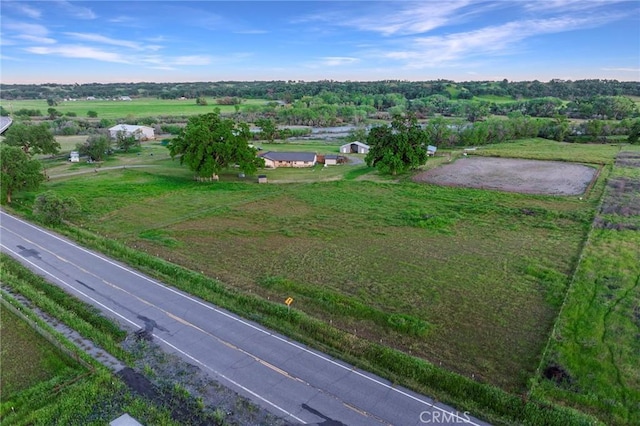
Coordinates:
[341,92]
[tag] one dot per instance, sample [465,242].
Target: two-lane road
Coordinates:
[283,376]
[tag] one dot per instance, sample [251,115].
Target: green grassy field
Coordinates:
[544,149]
[394,248]
[138,107]
[470,280]
[27,358]
[594,349]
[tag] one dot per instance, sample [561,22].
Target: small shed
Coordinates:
[330,160]
[262,178]
[354,148]
[431,150]
[74,157]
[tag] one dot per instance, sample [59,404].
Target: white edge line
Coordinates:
[324,358]
[156,336]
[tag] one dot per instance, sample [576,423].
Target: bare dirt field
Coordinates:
[513,175]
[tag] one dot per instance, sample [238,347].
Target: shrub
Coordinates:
[52,209]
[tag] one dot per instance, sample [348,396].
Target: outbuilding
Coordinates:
[355,148]
[141,133]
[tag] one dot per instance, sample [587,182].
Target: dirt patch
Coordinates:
[513,175]
[557,374]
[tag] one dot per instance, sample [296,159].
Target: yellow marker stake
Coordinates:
[288,302]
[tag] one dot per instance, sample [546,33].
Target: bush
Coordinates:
[52,209]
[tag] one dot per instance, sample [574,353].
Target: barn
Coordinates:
[354,148]
[141,133]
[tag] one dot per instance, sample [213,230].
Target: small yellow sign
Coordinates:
[289,301]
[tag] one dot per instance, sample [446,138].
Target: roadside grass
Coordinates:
[138,107]
[28,359]
[592,359]
[42,385]
[86,320]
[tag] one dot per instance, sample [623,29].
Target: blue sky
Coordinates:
[172,41]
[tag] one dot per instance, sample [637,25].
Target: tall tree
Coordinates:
[32,139]
[210,144]
[18,171]
[399,147]
[96,147]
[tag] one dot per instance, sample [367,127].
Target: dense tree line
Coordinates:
[334,91]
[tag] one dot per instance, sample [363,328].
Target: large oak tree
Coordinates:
[18,171]
[210,144]
[32,139]
[397,148]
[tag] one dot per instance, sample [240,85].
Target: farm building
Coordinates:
[354,148]
[330,160]
[141,133]
[74,157]
[431,150]
[288,159]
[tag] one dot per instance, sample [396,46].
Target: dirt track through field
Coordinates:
[513,175]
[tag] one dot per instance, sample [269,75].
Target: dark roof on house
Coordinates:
[289,156]
[332,156]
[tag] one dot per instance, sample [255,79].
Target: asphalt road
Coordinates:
[285,377]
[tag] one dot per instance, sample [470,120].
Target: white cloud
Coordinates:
[77,11]
[24,9]
[623,69]
[333,61]
[495,40]
[78,51]
[36,39]
[97,38]
[409,18]
[23,28]
[190,60]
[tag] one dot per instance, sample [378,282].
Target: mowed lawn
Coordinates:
[484,272]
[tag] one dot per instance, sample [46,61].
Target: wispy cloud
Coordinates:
[334,61]
[36,39]
[80,12]
[566,5]
[98,38]
[24,28]
[23,9]
[623,69]
[494,40]
[79,51]
[410,18]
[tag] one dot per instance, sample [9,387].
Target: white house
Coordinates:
[141,133]
[74,157]
[288,159]
[354,148]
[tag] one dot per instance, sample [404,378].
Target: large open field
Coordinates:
[471,280]
[459,264]
[138,107]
